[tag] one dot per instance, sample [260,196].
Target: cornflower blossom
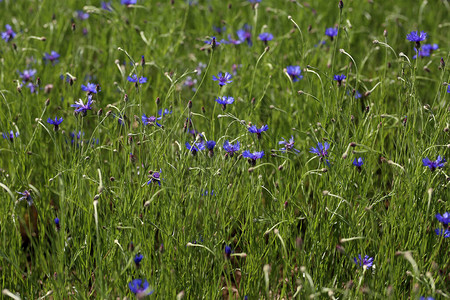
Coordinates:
[358,162]
[288,145]
[426,50]
[339,78]
[82,15]
[231,41]
[415,36]
[80,107]
[223,79]
[265,37]
[331,32]
[195,147]
[212,41]
[366,262]
[9,34]
[139,287]
[33,87]
[10,136]
[164,112]
[27,75]
[321,150]
[245,34]
[433,165]
[426,298]
[128,2]
[254,1]
[210,145]
[258,131]
[56,122]
[190,82]
[200,67]
[230,148]
[106,5]
[252,157]
[294,72]
[151,120]
[26,196]
[135,79]
[91,88]
[155,177]
[448,88]
[137,259]
[227,251]
[206,193]
[224,101]
[58,226]
[443,232]
[219,29]
[52,57]
[444,218]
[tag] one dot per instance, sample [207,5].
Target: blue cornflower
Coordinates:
[321,150]
[365,262]
[288,145]
[231,41]
[426,50]
[190,82]
[52,57]
[151,120]
[265,37]
[135,79]
[254,1]
[155,177]
[195,147]
[448,88]
[206,193]
[245,34]
[91,88]
[164,112]
[224,101]
[106,5]
[137,259]
[128,2]
[223,79]
[227,251]
[444,219]
[139,287]
[358,95]
[212,41]
[258,131]
[358,162]
[10,136]
[27,75]
[415,36]
[433,165]
[339,78]
[81,107]
[57,221]
[26,196]
[294,72]
[444,232]
[219,29]
[55,122]
[230,148]
[82,15]
[210,145]
[9,34]
[426,298]
[33,87]
[252,157]
[331,32]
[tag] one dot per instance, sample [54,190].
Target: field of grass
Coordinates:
[129,172]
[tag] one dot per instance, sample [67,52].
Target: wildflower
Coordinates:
[33,87]
[151,120]
[26,196]
[189,82]
[206,194]
[288,145]
[448,88]
[91,88]
[444,219]
[320,43]
[227,252]
[135,79]
[219,29]
[252,157]
[52,57]
[254,1]
[339,78]
[433,165]
[321,150]
[128,2]
[443,232]
[358,95]
[106,5]
[74,135]
[139,287]
[55,122]
[27,75]
[9,34]
[224,101]
[164,112]
[10,136]
[230,148]
[294,72]
[245,35]
[137,259]
[195,147]
[81,107]
[155,177]
[223,79]
[231,41]
[426,298]
[415,36]
[358,163]
[58,226]
[82,15]
[200,67]
[258,131]
[331,32]
[426,50]
[365,262]
[265,37]
[212,41]
[210,145]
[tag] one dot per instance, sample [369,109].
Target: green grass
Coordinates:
[294,222]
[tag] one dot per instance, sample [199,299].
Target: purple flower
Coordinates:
[156,177]
[254,1]
[26,196]
[426,50]
[189,82]
[444,219]
[57,221]
[294,72]
[10,136]
[80,107]
[55,122]
[223,79]
[231,41]
[331,32]
[9,34]
[91,88]
[139,287]
[82,15]
[210,145]
[245,34]
[134,78]
[195,147]
[164,112]
[265,37]
[448,88]
[358,162]
[433,165]
[151,120]
[52,57]
[227,251]
[444,232]
[128,2]
[219,29]
[137,259]
[321,150]
[426,298]
[106,5]
[33,87]
[252,157]
[288,145]
[230,148]
[212,41]
[258,131]
[365,262]
[415,36]
[339,78]
[224,101]
[27,75]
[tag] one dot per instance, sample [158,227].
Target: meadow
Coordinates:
[240,149]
